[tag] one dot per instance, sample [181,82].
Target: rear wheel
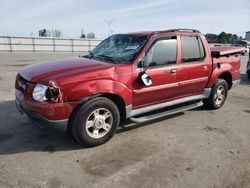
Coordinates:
[248,74]
[218,95]
[95,122]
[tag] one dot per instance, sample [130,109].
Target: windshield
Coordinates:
[120,48]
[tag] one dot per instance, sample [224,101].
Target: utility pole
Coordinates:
[109,22]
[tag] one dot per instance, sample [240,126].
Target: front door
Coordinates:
[161,67]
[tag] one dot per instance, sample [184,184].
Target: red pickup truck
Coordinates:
[137,76]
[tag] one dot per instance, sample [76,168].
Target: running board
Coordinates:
[166,113]
[130,112]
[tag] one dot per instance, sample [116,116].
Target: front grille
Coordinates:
[21,84]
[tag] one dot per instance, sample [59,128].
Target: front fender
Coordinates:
[98,87]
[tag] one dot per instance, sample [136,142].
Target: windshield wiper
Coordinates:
[107,58]
[90,55]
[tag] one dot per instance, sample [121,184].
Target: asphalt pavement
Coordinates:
[196,148]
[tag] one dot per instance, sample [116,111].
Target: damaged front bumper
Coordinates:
[36,118]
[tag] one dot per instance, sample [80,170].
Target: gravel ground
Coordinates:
[197,148]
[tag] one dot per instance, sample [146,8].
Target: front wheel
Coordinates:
[218,95]
[95,122]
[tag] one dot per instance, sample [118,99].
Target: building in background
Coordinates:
[247,36]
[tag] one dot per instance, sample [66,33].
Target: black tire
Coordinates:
[78,122]
[213,101]
[70,131]
[248,74]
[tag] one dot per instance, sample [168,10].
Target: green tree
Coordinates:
[212,38]
[223,37]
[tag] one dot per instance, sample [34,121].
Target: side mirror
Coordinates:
[146,79]
[142,61]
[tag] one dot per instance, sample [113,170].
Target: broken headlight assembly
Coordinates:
[51,92]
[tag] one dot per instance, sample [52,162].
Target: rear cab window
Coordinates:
[192,49]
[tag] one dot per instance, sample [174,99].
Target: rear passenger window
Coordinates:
[192,49]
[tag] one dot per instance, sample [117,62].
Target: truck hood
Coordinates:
[55,69]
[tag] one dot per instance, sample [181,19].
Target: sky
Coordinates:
[25,18]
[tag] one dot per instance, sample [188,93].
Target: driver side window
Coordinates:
[162,53]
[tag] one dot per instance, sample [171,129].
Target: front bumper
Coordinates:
[36,118]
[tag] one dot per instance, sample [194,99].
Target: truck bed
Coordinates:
[223,51]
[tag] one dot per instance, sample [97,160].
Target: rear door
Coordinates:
[162,68]
[195,67]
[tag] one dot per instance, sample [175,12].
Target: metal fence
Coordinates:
[46,44]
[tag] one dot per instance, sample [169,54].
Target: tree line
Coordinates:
[223,37]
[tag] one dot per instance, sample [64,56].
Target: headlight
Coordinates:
[39,92]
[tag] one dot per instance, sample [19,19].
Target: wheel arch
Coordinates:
[118,100]
[228,78]
[120,103]
[224,72]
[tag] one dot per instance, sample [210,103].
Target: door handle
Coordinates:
[172,71]
[204,67]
